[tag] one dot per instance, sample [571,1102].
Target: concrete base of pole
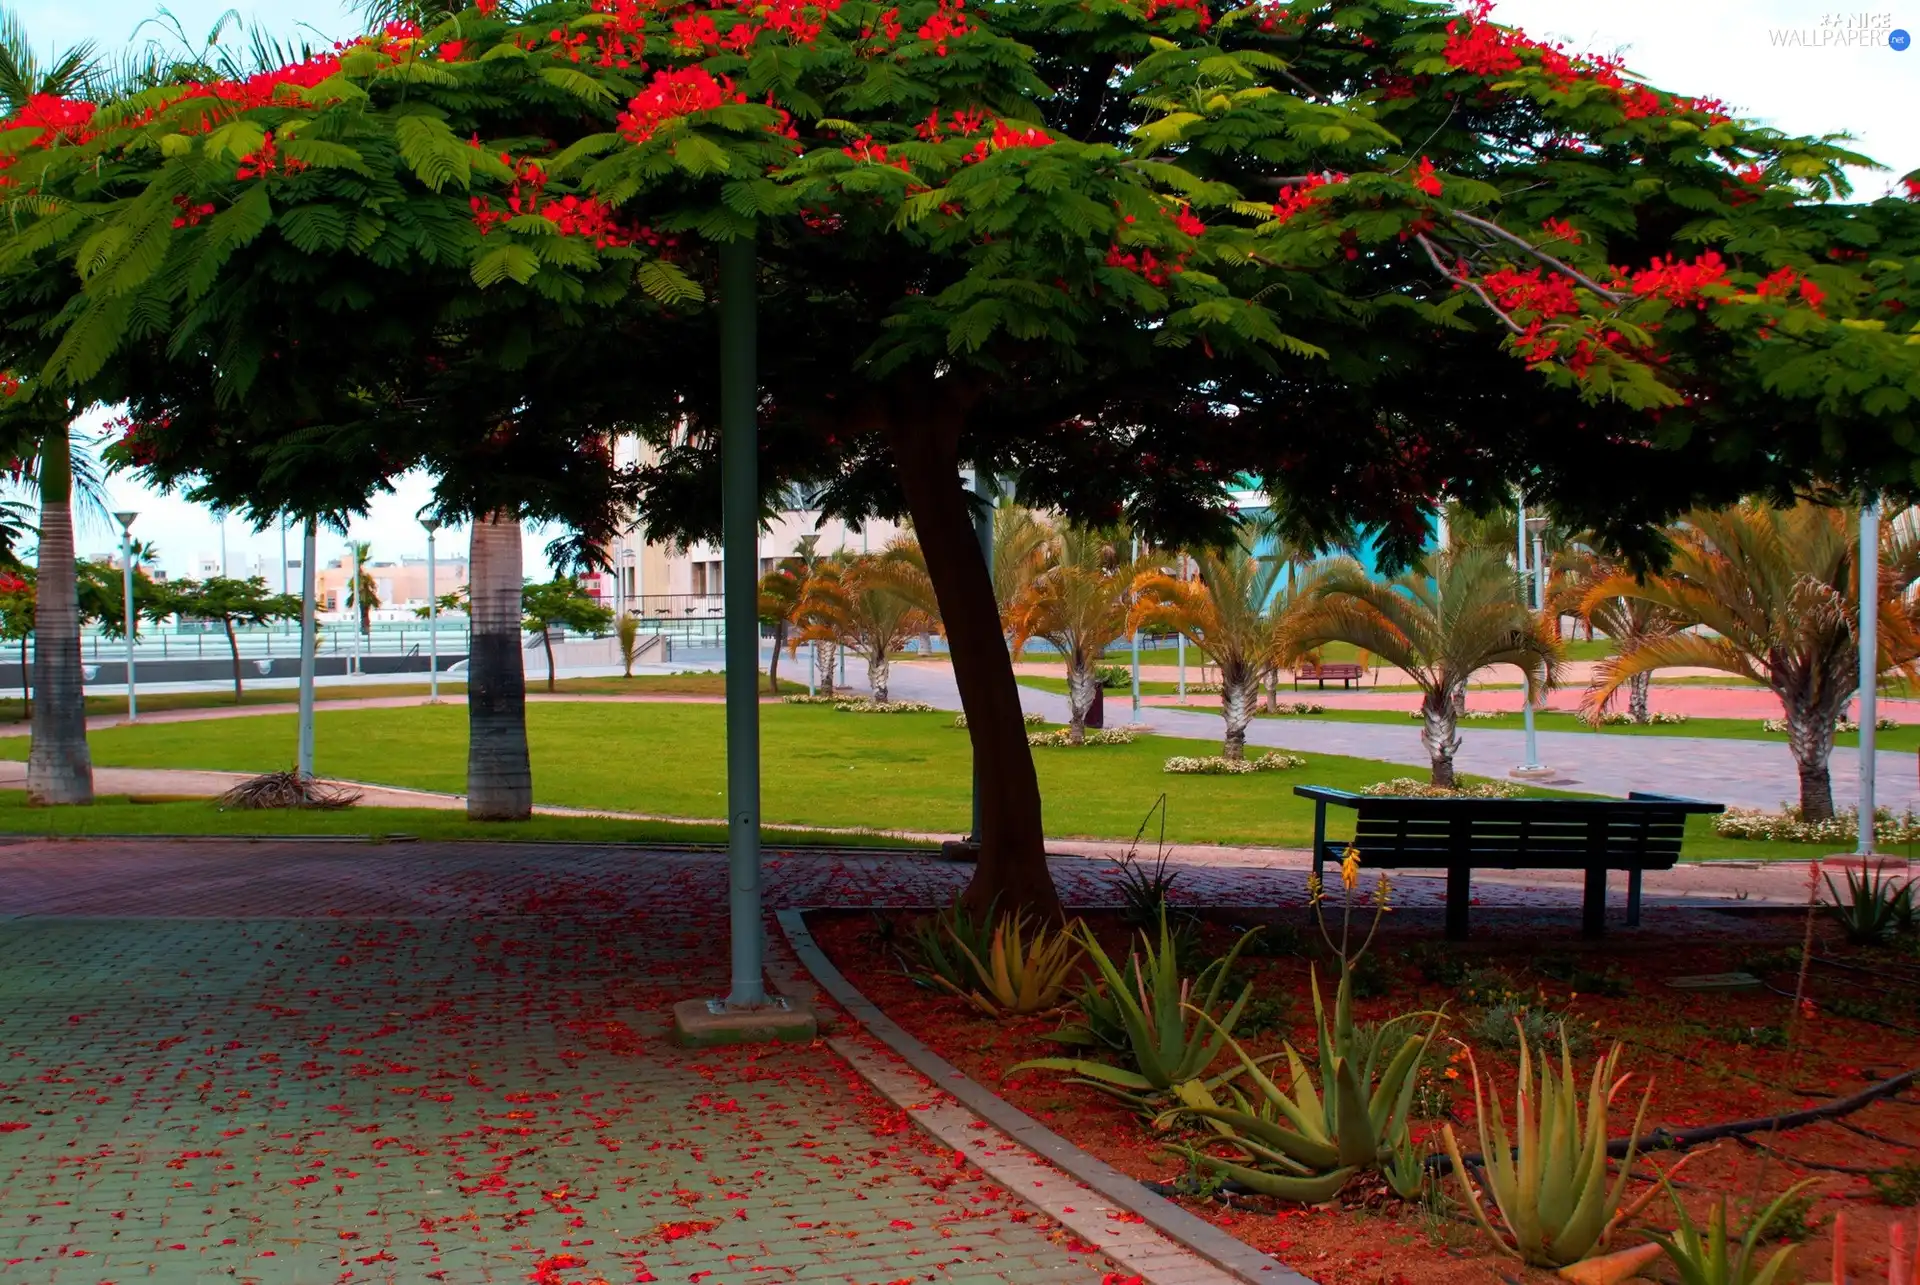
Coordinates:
[705,1023]
[1534,772]
[960,850]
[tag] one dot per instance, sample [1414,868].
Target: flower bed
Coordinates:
[1216,765]
[1711,1057]
[1842,828]
[1030,719]
[1091,736]
[883,707]
[1407,787]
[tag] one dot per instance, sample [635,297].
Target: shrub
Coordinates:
[1030,719]
[1874,908]
[1703,1260]
[1146,889]
[1788,826]
[1620,718]
[1091,736]
[1025,969]
[1583,978]
[1172,1036]
[1513,1023]
[1779,725]
[1113,677]
[882,707]
[1299,709]
[1468,716]
[1272,761]
[1899,1186]
[804,699]
[1548,1177]
[1412,788]
[935,940]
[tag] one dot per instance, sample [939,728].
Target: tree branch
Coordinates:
[1560,265]
[1434,255]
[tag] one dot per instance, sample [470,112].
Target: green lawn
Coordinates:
[11,710]
[1904,738]
[120,815]
[901,771]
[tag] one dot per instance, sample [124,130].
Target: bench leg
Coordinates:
[1593,905]
[1633,898]
[1459,893]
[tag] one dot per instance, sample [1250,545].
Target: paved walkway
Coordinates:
[1755,774]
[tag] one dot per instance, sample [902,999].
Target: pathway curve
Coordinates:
[1753,774]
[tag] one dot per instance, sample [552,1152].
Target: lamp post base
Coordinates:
[1533,772]
[705,1023]
[960,850]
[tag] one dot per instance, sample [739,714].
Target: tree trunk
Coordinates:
[879,669]
[823,658]
[1012,871]
[1082,688]
[773,666]
[1460,700]
[1239,697]
[499,777]
[1273,690]
[1637,690]
[1440,732]
[546,640]
[59,768]
[26,683]
[1810,738]
[233,647]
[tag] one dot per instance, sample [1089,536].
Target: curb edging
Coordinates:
[1235,1257]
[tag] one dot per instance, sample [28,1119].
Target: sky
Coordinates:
[1793,64]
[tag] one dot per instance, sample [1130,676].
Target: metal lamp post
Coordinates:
[1136,648]
[309,551]
[433,618]
[353,613]
[1530,594]
[125,518]
[1869,665]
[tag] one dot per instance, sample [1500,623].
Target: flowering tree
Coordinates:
[1079,244]
[233,602]
[561,603]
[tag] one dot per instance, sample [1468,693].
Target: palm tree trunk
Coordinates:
[823,658]
[924,436]
[26,683]
[1810,739]
[59,768]
[1440,732]
[546,640]
[1239,696]
[1638,688]
[499,776]
[1082,688]
[1273,690]
[879,669]
[233,647]
[773,666]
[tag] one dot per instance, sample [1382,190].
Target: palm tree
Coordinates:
[1235,609]
[1021,543]
[364,594]
[1777,592]
[499,775]
[779,600]
[59,767]
[1458,613]
[872,603]
[1077,601]
[1627,622]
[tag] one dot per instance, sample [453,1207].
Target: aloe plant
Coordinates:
[1025,969]
[1548,1178]
[940,938]
[1707,1260]
[1171,1037]
[1874,908]
[1306,1142]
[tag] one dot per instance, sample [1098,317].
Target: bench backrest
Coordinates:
[1642,831]
[1338,669]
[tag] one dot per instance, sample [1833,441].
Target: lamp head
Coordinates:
[125,518]
[431,524]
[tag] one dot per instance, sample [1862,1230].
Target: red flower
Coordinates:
[1678,282]
[1912,184]
[672,95]
[1561,230]
[1187,223]
[267,161]
[948,22]
[56,117]
[1425,179]
[1301,195]
[1198,7]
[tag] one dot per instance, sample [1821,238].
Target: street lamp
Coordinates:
[433,618]
[125,518]
[1532,595]
[624,591]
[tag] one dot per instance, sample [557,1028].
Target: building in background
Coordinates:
[399,585]
[661,582]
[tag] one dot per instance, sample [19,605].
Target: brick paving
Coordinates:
[305,1063]
[330,1062]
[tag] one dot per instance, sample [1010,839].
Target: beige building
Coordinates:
[398,586]
[661,582]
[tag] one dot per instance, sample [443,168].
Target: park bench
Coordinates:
[1638,833]
[1345,673]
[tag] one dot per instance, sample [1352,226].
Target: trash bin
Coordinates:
[1097,712]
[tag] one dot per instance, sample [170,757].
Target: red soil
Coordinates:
[1684,1041]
